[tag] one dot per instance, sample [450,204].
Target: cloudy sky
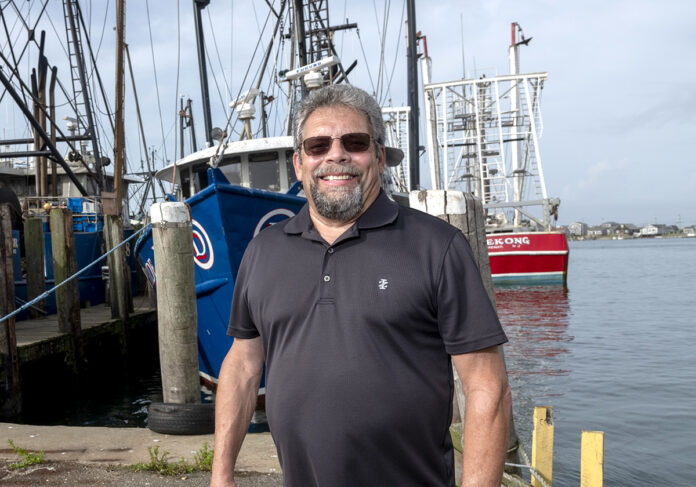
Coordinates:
[619,106]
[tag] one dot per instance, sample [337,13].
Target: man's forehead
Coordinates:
[336,114]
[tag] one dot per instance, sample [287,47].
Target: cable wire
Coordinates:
[154,68]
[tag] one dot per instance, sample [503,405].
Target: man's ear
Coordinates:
[297,164]
[382,159]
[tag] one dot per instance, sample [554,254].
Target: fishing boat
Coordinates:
[235,189]
[484,138]
[62,164]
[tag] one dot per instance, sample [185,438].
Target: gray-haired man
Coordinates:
[359,307]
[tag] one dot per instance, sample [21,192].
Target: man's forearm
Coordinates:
[235,401]
[485,437]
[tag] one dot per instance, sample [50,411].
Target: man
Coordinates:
[358,307]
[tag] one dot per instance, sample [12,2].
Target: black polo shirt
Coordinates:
[357,338]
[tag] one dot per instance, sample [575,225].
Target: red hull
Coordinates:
[528,257]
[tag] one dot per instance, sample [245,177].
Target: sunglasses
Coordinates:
[320,145]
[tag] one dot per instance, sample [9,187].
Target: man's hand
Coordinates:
[237,390]
[487,416]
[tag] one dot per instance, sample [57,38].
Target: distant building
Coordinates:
[578,229]
[654,230]
[625,229]
[609,226]
[597,231]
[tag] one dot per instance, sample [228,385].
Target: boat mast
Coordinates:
[198,6]
[119,139]
[518,170]
[75,50]
[412,81]
[298,27]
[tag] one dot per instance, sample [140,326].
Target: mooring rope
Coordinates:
[527,464]
[78,273]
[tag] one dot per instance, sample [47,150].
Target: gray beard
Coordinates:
[338,205]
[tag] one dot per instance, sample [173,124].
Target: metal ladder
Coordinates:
[75,54]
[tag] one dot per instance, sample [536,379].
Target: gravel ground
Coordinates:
[77,474]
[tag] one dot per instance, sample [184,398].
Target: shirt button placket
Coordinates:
[327,273]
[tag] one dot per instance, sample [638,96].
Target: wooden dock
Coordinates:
[31,333]
[50,362]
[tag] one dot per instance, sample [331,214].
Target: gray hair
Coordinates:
[339,95]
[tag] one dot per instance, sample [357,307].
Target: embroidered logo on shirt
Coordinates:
[383,284]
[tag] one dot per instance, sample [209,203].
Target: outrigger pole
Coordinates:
[198,6]
[39,129]
[412,81]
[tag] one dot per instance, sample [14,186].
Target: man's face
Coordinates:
[340,184]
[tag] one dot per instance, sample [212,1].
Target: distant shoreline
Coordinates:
[614,237]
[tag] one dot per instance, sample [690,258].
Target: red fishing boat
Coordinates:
[533,257]
[484,138]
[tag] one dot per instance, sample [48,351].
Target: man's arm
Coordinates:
[237,390]
[487,416]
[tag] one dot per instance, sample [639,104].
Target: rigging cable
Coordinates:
[367,65]
[217,86]
[154,68]
[396,55]
[177,116]
[217,51]
[229,118]
[380,36]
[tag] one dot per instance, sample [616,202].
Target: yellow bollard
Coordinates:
[542,444]
[592,459]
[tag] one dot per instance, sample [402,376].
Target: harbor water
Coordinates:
[613,353]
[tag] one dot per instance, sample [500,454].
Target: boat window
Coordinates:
[290,168]
[200,177]
[263,171]
[186,183]
[232,169]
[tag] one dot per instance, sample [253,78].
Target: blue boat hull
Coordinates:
[225,219]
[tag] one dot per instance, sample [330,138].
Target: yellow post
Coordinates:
[592,459]
[542,444]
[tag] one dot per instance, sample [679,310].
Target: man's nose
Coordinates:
[336,150]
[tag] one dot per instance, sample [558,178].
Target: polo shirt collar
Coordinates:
[381,212]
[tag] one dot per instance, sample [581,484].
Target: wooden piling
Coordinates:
[36,277]
[542,444]
[465,211]
[176,302]
[119,273]
[64,266]
[592,459]
[10,392]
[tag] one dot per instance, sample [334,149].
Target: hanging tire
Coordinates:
[181,419]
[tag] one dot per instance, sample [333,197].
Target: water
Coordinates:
[116,393]
[612,353]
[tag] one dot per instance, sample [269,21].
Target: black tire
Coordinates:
[181,419]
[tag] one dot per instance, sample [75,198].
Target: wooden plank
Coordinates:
[10,393]
[542,444]
[32,331]
[176,302]
[36,275]
[592,459]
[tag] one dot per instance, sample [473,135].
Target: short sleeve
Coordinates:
[241,324]
[466,318]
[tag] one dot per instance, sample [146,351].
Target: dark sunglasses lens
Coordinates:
[316,146]
[356,142]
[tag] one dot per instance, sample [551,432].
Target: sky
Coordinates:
[619,105]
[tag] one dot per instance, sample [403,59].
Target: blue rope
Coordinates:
[39,298]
